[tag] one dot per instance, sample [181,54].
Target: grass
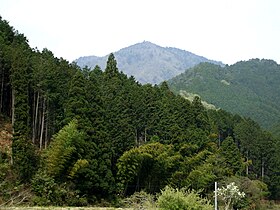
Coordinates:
[60,208]
[274,207]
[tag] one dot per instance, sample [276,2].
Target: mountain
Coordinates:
[249,88]
[148,62]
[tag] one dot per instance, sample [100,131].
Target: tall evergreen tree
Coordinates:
[232,156]
[24,157]
[111,69]
[247,133]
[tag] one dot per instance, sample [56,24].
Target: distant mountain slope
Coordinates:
[250,88]
[148,62]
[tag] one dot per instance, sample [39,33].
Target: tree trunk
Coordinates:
[145,135]
[262,170]
[247,165]
[228,204]
[39,121]
[2,90]
[46,130]
[219,140]
[35,119]
[136,137]
[33,115]
[13,109]
[42,124]
[137,187]
[13,119]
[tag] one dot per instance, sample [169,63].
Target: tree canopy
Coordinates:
[84,135]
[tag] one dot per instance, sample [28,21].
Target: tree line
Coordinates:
[84,135]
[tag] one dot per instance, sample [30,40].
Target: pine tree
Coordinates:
[111,69]
[232,156]
[24,156]
[77,105]
[247,133]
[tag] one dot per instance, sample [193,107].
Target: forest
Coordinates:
[248,88]
[84,137]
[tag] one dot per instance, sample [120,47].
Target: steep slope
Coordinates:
[149,63]
[250,88]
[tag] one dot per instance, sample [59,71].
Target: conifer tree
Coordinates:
[111,69]
[77,105]
[232,156]
[24,157]
[247,134]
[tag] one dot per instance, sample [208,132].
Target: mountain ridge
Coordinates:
[148,62]
[249,88]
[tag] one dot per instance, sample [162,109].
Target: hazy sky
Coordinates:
[224,30]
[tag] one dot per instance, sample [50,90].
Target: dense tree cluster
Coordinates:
[248,88]
[83,135]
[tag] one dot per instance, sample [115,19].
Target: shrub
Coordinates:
[140,200]
[255,191]
[230,195]
[44,187]
[175,199]
[48,192]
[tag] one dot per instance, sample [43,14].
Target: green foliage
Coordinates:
[199,114]
[274,182]
[81,163]
[4,166]
[12,190]
[230,195]
[5,183]
[197,136]
[140,200]
[111,67]
[201,177]
[126,137]
[25,158]
[275,130]
[48,192]
[77,105]
[44,187]
[232,156]
[248,88]
[257,146]
[255,191]
[58,156]
[175,199]
[146,167]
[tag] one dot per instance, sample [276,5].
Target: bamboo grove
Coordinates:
[82,135]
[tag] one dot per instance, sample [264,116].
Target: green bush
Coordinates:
[44,188]
[255,191]
[140,200]
[48,192]
[175,199]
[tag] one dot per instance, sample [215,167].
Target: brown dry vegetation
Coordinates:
[5,136]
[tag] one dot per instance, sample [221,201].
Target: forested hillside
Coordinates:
[249,88]
[148,62]
[87,136]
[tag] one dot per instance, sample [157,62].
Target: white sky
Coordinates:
[224,30]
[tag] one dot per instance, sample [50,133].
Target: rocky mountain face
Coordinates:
[148,62]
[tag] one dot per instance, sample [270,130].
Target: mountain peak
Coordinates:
[141,45]
[147,43]
[148,62]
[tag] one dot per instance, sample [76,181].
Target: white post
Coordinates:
[216,196]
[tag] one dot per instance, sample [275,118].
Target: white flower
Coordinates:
[230,194]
